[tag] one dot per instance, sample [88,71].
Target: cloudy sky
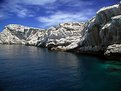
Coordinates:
[45,13]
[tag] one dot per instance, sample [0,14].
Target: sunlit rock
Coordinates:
[100,34]
[63,35]
[102,30]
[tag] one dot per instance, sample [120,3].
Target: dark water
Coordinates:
[25,68]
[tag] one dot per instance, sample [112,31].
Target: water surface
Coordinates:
[27,68]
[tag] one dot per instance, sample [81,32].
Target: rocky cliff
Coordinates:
[101,34]
[17,34]
[102,31]
[54,38]
[62,37]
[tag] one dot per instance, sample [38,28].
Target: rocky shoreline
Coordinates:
[101,35]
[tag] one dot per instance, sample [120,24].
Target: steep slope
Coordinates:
[61,36]
[101,34]
[102,30]
[16,34]
[55,38]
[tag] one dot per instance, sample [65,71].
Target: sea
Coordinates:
[28,68]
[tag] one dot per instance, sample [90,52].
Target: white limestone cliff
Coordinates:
[16,34]
[102,30]
[60,36]
[97,35]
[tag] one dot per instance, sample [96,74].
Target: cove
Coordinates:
[28,68]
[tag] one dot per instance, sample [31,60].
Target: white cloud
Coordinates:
[20,9]
[16,7]
[61,17]
[22,13]
[2,15]
[30,2]
[75,3]
[36,2]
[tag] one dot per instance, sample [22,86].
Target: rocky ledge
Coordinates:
[99,35]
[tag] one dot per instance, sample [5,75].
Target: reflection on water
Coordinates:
[27,68]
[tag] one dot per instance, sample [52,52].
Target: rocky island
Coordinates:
[99,35]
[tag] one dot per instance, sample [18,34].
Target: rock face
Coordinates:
[16,34]
[113,49]
[62,36]
[101,34]
[56,38]
[102,30]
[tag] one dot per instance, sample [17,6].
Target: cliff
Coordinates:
[102,31]
[101,34]
[16,34]
[54,38]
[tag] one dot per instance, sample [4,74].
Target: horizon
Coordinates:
[47,13]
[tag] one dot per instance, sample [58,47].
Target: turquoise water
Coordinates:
[27,68]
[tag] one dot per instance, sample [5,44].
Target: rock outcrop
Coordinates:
[16,34]
[101,34]
[62,36]
[102,31]
[55,38]
[113,49]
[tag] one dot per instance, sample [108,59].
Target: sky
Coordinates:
[46,13]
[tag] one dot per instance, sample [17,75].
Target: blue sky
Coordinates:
[46,13]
